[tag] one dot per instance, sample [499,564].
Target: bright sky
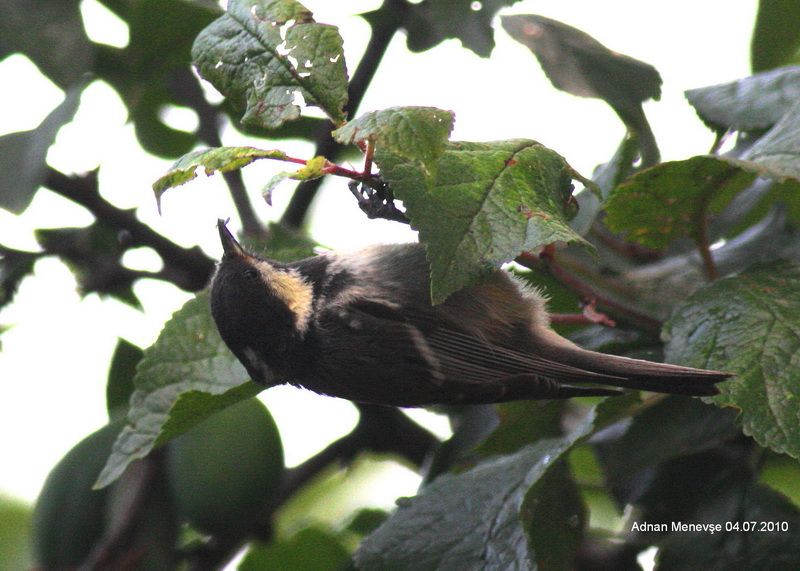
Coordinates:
[54,360]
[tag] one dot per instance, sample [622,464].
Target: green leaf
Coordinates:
[417,134]
[222,159]
[748,325]
[23,155]
[776,38]
[750,104]
[554,540]
[481,518]
[184,377]
[430,22]
[671,200]
[310,549]
[282,244]
[523,422]
[261,52]
[314,168]
[488,203]
[120,375]
[51,34]
[15,531]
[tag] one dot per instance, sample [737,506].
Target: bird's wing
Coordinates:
[410,358]
[368,353]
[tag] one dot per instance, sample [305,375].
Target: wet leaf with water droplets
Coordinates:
[748,325]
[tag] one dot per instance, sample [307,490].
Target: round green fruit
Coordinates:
[225,471]
[69,516]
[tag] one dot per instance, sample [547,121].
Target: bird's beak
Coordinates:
[229,244]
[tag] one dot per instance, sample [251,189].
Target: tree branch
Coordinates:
[189,268]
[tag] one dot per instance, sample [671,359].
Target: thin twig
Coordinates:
[586,291]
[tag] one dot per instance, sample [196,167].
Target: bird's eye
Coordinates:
[250,274]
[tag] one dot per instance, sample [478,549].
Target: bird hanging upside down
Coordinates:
[361,327]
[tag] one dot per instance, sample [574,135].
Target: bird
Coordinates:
[361,326]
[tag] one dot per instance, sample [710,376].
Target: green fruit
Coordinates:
[69,516]
[225,471]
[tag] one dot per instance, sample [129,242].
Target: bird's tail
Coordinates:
[638,374]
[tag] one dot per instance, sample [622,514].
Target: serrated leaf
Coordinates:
[51,34]
[473,520]
[488,203]
[413,133]
[184,377]
[430,22]
[749,104]
[261,52]
[670,200]
[776,38]
[23,155]
[314,168]
[748,325]
[222,159]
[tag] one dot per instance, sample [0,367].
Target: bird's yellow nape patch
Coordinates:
[292,289]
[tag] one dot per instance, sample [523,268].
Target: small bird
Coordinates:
[361,326]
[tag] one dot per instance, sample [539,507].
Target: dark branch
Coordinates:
[379,429]
[187,268]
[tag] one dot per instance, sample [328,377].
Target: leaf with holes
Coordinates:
[262,53]
[413,133]
[222,159]
[748,325]
[670,201]
[183,378]
[488,203]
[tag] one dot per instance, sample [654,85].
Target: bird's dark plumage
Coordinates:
[361,326]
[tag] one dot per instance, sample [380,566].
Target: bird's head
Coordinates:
[260,307]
